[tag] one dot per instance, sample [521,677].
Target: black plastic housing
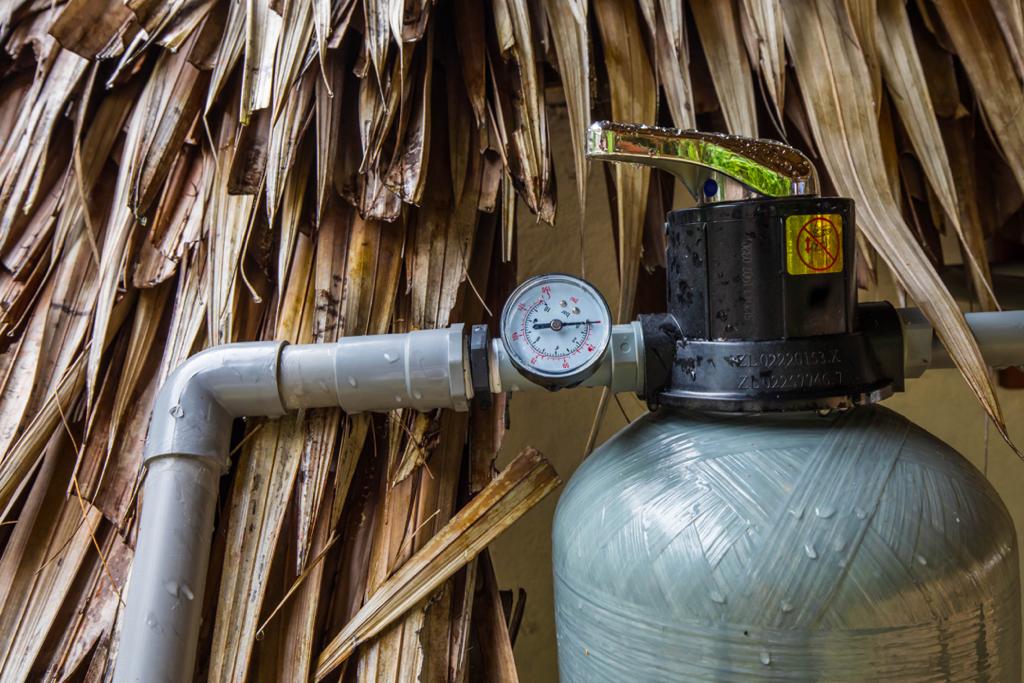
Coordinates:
[727,274]
[747,330]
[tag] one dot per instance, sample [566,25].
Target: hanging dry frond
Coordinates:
[762,31]
[569,29]
[974,32]
[905,78]
[267,471]
[522,484]
[843,122]
[730,70]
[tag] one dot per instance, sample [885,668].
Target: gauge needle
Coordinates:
[558,324]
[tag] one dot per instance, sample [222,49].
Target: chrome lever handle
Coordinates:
[712,166]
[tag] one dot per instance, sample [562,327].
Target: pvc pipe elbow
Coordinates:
[194,408]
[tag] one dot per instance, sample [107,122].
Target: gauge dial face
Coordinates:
[555,329]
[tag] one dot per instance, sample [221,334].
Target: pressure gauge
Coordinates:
[555,329]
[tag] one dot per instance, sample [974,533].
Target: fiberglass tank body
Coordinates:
[852,547]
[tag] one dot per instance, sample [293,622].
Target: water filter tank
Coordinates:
[787,546]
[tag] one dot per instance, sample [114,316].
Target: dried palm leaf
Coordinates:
[667,26]
[905,78]
[843,122]
[568,22]
[268,468]
[23,156]
[633,100]
[165,137]
[170,23]
[229,51]
[526,480]
[469,37]
[416,646]
[1010,14]
[498,664]
[974,32]
[958,135]
[263,26]
[94,610]
[329,93]
[94,29]
[50,542]
[762,31]
[292,48]
[863,18]
[527,140]
[177,221]
[727,60]
[228,221]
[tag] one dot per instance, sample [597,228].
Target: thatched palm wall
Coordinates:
[180,174]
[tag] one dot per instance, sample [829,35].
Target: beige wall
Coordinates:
[558,424]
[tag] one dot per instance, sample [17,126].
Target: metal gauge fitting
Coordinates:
[556,329]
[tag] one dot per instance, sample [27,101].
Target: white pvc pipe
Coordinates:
[187,448]
[1000,336]
[424,369]
[165,591]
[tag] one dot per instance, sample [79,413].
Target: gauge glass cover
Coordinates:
[555,329]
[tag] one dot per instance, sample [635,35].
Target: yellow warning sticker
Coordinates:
[814,244]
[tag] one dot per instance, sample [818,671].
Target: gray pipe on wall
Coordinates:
[1000,336]
[187,452]
[161,622]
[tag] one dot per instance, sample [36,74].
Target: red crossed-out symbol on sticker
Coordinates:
[818,244]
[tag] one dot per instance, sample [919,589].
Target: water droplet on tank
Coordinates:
[717,597]
[177,411]
[417,395]
[398,399]
[839,545]
[786,606]
[172,588]
[810,551]
[921,560]
[860,513]
[798,513]
[696,509]
[766,657]
[390,357]
[352,381]
[825,511]
[186,591]
[151,620]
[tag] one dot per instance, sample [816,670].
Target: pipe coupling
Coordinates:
[424,369]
